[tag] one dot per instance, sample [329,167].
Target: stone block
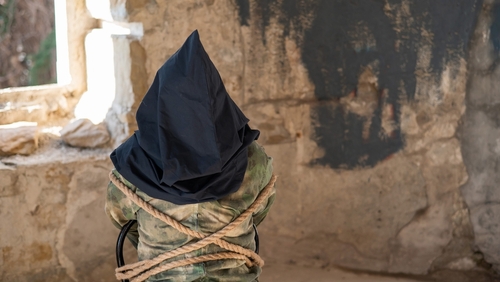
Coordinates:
[83,133]
[483,88]
[53,225]
[18,138]
[8,185]
[420,242]
[444,153]
[486,222]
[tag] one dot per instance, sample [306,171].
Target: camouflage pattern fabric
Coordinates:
[153,237]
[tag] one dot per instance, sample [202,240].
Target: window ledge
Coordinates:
[42,104]
[55,151]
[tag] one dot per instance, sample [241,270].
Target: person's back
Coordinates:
[204,184]
[208,217]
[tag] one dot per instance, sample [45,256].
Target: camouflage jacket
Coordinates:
[153,237]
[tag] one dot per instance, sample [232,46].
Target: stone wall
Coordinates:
[358,103]
[53,223]
[480,134]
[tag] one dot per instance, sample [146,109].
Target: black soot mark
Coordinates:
[347,37]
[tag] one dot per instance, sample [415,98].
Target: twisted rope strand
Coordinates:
[236,251]
[188,261]
[146,264]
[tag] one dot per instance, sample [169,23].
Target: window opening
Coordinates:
[27,43]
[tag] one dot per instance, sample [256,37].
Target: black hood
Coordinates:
[192,141]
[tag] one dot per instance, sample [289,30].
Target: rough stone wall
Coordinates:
[359,113]
[53,223]
[480,134]
[358,102]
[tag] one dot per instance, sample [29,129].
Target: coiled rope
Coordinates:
[142,270]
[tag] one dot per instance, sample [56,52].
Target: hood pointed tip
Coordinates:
[192,43]
[195,35]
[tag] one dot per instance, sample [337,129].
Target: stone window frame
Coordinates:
[54,104]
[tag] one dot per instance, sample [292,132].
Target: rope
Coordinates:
[184,262]
[135,271]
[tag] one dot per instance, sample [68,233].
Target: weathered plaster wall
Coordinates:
[53,226]
[480,134]
[358,102]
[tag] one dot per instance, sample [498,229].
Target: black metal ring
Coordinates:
[256,239]
[119,244]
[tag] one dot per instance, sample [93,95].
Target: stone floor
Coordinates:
[293,273]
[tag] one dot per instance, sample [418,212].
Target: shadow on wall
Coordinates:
[362,57]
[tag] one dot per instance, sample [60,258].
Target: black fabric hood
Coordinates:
[192,141]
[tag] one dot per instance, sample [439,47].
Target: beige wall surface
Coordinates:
[395,208]
[400,215]
[53,224]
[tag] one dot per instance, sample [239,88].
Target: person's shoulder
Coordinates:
[258,173]
[259,167]
[257,156]
[122,179]
[130,186]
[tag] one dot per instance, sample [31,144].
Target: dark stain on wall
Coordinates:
[290,14]
[334,64]
[348,36]
[340,134]
[495,28]
[452,23]
[243,11]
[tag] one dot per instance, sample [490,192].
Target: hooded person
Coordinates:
[193,161]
